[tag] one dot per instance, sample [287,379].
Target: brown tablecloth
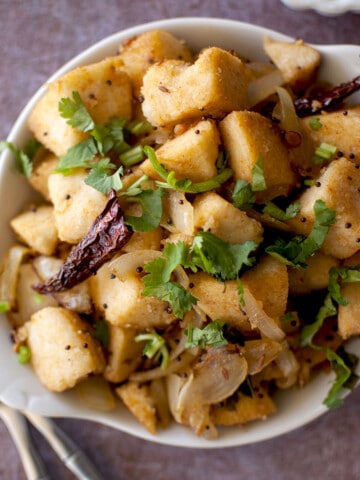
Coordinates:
[38,36]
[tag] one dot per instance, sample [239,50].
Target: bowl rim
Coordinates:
[81,58]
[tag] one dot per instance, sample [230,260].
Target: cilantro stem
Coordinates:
[184,185]
[155,346]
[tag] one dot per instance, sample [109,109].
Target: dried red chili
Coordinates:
[107,235]
[326,99]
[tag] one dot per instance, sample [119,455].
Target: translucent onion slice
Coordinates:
[181,277]
[126,264]
[77,298]
[215,377]
[9,273]
[259,353]
[288,365]
[262,87]
[259,319]
[178,213]
[289,121]
[158,392]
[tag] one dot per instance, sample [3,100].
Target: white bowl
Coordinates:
[325,7]
[18,385]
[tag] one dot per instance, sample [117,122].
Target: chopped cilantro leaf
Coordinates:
[274,211]
[343,374]
[76,113]
[296,251]
[160,269]
[23,157]
[31,148]
[157,281]
[180,299]
[155,347]
[258,181]
[103,178]
[77,156]
[243,196]
[211,335]
[117,131]
[339,275]
[327,310]
[151,206]
[221,259]
[103,137]
[184,185]
[342,370]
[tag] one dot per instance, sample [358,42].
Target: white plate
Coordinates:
[325,7]
[18,384]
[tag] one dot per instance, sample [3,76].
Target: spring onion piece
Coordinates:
[132,156]
[4,307]
[138,127]
[315,123]
[24,354]
[323,153]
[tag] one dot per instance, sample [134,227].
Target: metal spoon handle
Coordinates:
[66,449]
[18,429]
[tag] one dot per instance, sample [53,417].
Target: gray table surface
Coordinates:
[37,37]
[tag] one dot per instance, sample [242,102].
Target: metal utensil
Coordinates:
[68,452]
[18,429]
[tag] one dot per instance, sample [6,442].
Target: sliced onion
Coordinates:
[215,377]
[27,300]
[77,298]
[262,87]
[289,121]
[178,213]
[259,319]
[259,353]
[159,394]
[126,264]
[181,277]
[9,273]
[288,365]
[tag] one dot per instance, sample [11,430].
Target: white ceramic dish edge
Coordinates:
[18,384]
[325,7]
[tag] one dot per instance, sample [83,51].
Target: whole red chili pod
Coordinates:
[107,235]
[326,99]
